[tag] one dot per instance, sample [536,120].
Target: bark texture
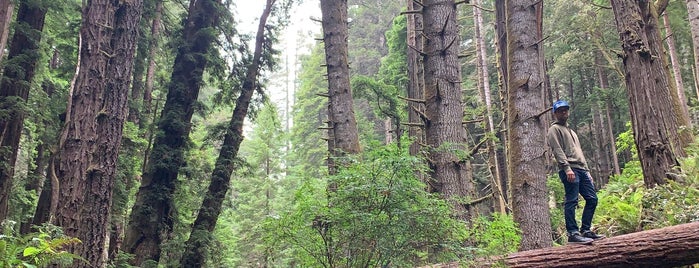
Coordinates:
[416,76]
[501,63]
[196,247]
[673,246]
[342,125]
[484,89]
[92,134]
[525,106]
[153,213]
[675,60]
[653,103]
[444,112]
[14,91]
[693,18]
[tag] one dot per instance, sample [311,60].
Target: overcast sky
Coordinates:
[293,43]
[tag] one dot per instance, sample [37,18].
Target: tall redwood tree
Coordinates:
[152,216]
[91,137]
[14,90]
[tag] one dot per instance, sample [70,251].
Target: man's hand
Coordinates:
[570,176]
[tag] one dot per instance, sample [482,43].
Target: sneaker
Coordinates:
[577,238]
[592,235]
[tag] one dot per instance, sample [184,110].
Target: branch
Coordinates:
[660,6]
[422,115]
[411,12]
[411,100]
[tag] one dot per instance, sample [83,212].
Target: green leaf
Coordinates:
[31,251]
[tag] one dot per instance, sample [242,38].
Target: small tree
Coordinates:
[381,215]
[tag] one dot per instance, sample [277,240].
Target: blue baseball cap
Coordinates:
[560,104]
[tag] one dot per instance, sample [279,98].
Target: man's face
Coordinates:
[561,114]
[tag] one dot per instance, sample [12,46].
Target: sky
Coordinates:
[301,32]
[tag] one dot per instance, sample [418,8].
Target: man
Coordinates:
[574,174]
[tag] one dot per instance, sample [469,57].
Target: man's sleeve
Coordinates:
[553,140]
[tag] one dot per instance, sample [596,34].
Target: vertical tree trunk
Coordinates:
[484,88]
[92,135]
[6,9]
[526,145]
[198,244]
[693,17]
[152,50]
[14,91]
[501,55]
[342,125]
[152,216]
[674,59]
[653,109]
[416,76]
[444,112]
[610,141]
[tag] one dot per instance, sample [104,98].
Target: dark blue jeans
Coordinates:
[582,186]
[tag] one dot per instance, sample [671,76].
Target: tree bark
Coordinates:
[501,62]
[526,105]
[14,91]
[416,80]
[444,111]
[342,125]
[609,144]
[6,10]
[152,216]
[653,105]
[675,60]
[196,247]
[693,17]
[92,135]
[484,88]
[673,246]
[152,50]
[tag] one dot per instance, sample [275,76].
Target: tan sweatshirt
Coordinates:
[565,146]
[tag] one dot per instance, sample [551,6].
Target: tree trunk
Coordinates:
[14,91]
[444,112]
[673,246]
[609,145]
[654,110]
[152,216]
[693,17]
[501,55]
[92,135]
[152,50]
[526,105]
[675,60]
[484,89]
[197,246]
[416,82]
[6,10]
[342,125]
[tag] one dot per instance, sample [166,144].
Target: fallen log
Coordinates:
[665,247]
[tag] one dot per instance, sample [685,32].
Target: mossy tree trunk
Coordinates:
[14,90]
[196,247]
[152,216]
